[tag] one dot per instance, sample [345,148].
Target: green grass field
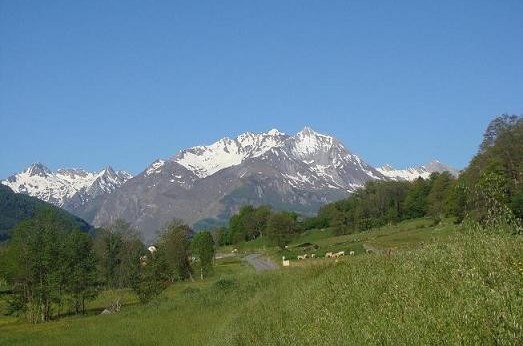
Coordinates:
[440,285]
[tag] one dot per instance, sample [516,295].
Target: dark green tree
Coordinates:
[44,265]
[153,276]
[174,244]
[118,249]
[79,264]
[438,196]
[280,228]
[203,247]
[416,201]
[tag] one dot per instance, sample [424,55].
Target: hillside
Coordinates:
[16,207]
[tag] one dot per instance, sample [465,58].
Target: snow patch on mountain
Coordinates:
[155,167]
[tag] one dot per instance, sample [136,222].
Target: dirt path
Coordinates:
[220,255]
[260,262]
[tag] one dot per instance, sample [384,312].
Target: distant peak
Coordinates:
[275,132]
[38,168]
[108,170]
[307,131]
[437,166]
[38,165]
[387,167]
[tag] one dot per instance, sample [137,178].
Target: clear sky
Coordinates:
[92,83]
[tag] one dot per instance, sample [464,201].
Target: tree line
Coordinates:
[53,269]
[276,227]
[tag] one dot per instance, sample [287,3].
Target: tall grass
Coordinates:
[463,289]
[467,290]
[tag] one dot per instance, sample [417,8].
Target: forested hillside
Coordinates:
[16,207]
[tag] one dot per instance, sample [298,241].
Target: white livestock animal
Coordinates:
[302,257]
[328,255]
[285,263]
[152,249]
[351,253]
[338,254]
[234,250]
[313,255]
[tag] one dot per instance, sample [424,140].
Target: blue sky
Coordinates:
[92,83]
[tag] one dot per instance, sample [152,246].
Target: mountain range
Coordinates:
[66,187]
[204,185]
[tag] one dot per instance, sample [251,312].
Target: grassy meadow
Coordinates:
[439,285]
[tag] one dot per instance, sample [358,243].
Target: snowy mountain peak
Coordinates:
[308,142]
[413,173]
[207,160]
[307,131]
[275,132]
[64,185]
[109,170]
[386,168]
[39,169]
[307,146]
[328,162]
[437,166]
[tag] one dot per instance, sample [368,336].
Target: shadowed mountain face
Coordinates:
[207,184]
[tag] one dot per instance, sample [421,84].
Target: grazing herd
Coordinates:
[335,255]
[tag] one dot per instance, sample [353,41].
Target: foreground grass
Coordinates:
[459,289]
[466,290]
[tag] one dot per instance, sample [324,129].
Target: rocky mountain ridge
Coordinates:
[66,187]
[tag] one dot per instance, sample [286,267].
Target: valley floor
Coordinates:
[437,284]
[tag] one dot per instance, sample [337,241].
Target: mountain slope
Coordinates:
[17,207]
